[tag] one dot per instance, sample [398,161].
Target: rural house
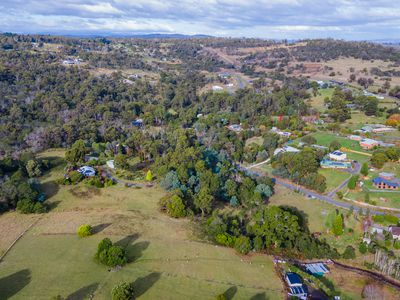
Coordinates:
[369,143]
[386,181]
[296,286]
[338,155]
[395,231]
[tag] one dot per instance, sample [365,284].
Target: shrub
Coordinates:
[95,181]
[122,291]
[27,206]
[84,230]
[149,176]
[109,254]
[175,207]
[396,245]
[242,245]
[221,297]
[225,239]
[352,182]
[363,248]
[349,253]
[258,244]
[337,227]
[75,177]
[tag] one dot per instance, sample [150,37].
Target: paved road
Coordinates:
[354,171]
[314,195]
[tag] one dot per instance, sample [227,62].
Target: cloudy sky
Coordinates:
[347,19]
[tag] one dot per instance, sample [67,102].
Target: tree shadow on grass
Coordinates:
[126,241]
[143,284]
[135,251]
[12,284]
[229,293]
[50,188]
[52,204]
[100,227]
[84,292]
[259,296]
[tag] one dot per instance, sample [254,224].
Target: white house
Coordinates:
[338,155]
[87,171]
[217,88]
[395,231]
[286,149]
[110,164]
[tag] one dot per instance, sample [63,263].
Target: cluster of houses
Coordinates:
[368,143]
[386,181]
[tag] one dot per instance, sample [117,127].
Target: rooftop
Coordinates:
[293,279]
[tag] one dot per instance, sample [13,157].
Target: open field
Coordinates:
[324,139]
[342,66]
[386,199]
[359,119]
[166,259]
[317,102]
[333,177]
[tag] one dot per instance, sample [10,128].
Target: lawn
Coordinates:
[167,260]
[387,199]
[359,119]
[333,178]
[324,139]
[318,101]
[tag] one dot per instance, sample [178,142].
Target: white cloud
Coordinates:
[258,18]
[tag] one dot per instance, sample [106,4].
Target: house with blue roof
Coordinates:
[296,286]
[386,181]
[87,171]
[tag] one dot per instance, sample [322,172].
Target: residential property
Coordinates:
[281,133]
[138,123]
[337,155]
[379,229]
[369,143]
[87,171]
[319,147]
[72,61]
[296,286]
[110,164]
[286,149]
[316,269]
[333,164]
[386,181]
[395,231]
[217,88]
[369,94]
[354,137]
[235,127]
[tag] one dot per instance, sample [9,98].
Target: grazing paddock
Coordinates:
[167,260]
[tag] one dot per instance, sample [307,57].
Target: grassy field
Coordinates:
[166,259]
[317,102]
[333,178]
[359,119]
[324,139]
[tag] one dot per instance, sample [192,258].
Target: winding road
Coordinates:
[317,196]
